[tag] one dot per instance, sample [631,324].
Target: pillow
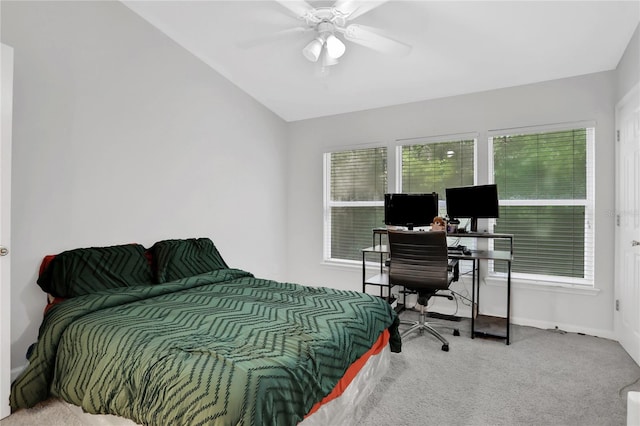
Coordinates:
[87,270]
[175,259]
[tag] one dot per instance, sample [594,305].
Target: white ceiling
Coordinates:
[458,47]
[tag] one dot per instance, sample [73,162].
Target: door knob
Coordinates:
[4,251]
[633,243]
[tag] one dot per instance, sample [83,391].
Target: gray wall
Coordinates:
[120,135]
[628,70]
[584,98]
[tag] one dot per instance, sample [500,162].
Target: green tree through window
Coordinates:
[433,167]
[545,201]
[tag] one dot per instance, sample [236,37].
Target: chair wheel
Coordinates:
[445,348]
[456,332]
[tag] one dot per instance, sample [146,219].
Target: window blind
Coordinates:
[433,167]
[545,191]
[355,202]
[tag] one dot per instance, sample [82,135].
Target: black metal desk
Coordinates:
[481,325]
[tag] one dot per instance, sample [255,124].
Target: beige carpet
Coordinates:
[54,412]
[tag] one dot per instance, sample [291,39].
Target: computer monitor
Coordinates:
[410,209]
[473,202]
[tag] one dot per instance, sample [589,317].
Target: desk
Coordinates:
[481,325]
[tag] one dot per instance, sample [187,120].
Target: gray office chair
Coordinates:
[419,262]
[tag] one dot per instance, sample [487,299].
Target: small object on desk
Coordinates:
[438,224]
[452,226]
[460,249]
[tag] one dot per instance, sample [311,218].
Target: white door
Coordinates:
[627,286]
[6,93]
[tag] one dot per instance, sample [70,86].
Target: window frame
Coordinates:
[328,204]
[394,180]
[588,203]
[481,170]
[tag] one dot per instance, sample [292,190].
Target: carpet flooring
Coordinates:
[544,377]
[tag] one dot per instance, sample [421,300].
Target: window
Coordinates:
[546,200]
[356,181]
[355,184]
[435,166]
[545,185]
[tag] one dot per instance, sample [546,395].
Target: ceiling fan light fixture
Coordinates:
[329,21]
[335,47]
[313,50]
[328,60]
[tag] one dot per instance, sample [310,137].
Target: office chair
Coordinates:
[419,262]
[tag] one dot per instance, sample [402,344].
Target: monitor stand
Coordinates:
[474,224]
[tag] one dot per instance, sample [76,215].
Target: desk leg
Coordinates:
[364,272]
[473,299]
[508,299]
[478,297]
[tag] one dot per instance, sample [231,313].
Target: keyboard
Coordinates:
[460,248]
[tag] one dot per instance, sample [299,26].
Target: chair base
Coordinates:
[422,325]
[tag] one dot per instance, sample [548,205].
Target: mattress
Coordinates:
[345,409]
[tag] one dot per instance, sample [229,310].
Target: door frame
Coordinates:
[5,227]
[631,345]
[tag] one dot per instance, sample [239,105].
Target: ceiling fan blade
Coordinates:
[300,8]
[268,38]
[354,8]
[374,39]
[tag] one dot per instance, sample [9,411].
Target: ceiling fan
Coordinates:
[330,22]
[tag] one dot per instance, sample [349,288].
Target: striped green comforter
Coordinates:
[220,348]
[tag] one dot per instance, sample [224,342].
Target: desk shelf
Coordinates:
[381,277]
[378,279]
[490,326]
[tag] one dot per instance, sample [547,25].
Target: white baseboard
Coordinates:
[448,307]
[571,328]
[633,409]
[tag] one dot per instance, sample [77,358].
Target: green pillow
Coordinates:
[87,270]
[175,259]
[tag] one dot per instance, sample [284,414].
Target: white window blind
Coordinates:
[355,184]
[545,187]
[434,166]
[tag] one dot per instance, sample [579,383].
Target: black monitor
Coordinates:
[410,209]
[473,202]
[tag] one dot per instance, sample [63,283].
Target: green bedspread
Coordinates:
[220,348]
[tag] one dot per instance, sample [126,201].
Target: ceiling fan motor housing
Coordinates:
[327,21]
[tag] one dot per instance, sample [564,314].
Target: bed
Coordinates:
[171,335]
